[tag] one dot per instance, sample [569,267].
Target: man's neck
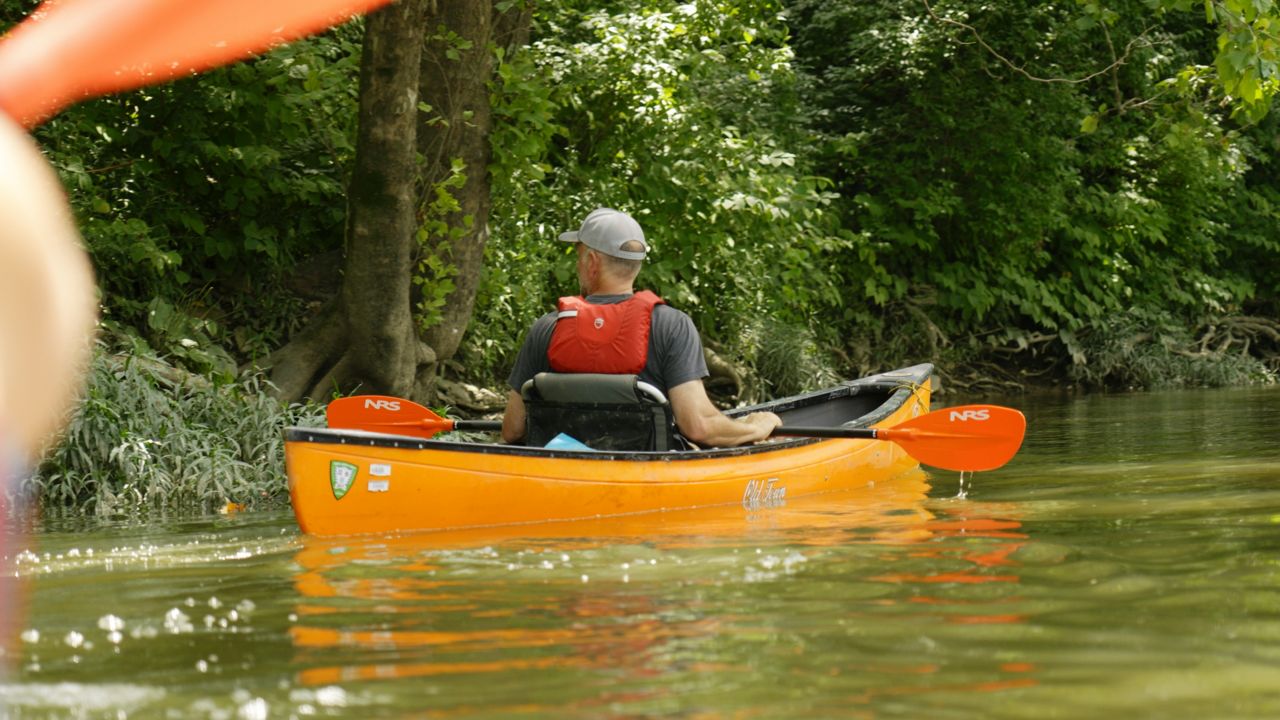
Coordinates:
[611,289]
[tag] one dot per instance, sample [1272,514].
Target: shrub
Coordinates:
[149,436]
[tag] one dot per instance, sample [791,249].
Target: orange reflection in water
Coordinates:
[989,563]
[391,581]
[969,521]
[399,670]
[623,635]
[393,622]
[983,687]
[990,560]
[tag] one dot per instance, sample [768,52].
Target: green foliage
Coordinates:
[1240,68]
[1248,52]
[436,235]
[1253,216]
[683,115]
[973,183]
[1135,350]
[148,436]
[785,360]
[189,339]
[211,187]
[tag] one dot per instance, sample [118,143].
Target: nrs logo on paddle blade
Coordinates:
[393,405]
[967,415]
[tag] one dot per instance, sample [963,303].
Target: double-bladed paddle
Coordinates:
[965,438]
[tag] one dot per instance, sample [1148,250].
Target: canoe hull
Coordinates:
[345,483]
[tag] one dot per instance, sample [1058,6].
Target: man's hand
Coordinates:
[764,423]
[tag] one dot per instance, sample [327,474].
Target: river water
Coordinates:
[1125,564]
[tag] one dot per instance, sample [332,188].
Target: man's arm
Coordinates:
[513,418]
[705,425]
[531,360]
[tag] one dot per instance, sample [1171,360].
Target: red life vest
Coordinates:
[612,339]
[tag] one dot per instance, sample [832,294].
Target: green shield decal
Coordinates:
[342,475]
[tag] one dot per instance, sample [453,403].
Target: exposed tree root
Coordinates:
[1258,335]
[327,357]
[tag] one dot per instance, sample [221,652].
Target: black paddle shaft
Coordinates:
[784,431]
[825,432]
[477,425]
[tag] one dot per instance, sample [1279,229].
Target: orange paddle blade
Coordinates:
[383,413]
[67,50]
[967,437]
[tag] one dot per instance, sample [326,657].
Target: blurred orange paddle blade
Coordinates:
[68,50]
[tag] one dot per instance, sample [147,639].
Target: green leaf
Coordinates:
[1248,89]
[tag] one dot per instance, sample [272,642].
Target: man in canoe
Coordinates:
[612,329]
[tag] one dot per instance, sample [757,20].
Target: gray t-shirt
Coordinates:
[675,349]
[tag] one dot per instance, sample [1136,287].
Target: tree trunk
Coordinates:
[365,339]
[457,66]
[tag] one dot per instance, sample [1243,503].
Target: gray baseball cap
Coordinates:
[605,230]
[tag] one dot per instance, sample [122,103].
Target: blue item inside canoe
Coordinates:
[567,442]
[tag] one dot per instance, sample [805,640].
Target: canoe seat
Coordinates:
[606,412]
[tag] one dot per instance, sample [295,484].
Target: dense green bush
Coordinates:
[1252,216]
[196,198]
[865,174]
[683,115]
[1125,352]
[1008,203]
[147,435]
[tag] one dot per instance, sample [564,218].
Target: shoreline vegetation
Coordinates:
[1044,198]
[151,437]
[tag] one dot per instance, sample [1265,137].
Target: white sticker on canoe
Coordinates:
[380,470]
[379,485]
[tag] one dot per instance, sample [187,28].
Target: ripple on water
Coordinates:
[148,556]
[79,697]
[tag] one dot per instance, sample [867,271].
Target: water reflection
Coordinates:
[629,597]
[1121,566]
[377,599]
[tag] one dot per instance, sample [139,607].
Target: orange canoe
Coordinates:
[350,482]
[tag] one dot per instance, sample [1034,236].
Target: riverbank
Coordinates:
[1122,354]
[150,436]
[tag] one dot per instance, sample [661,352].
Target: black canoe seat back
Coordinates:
[606,412]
